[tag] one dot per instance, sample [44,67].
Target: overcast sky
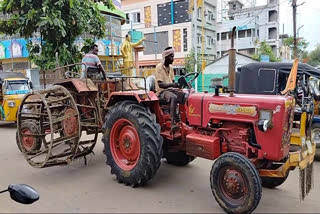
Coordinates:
[308,15]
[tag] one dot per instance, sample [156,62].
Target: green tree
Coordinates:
[302,45]
[59,23]
[314,56]
[190,61]
[107,3]
[265,49]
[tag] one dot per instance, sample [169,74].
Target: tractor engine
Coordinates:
[237,138]
[257,126]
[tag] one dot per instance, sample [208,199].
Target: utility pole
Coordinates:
[195,42]
[294,7]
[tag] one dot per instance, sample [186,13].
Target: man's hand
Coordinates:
[168,85]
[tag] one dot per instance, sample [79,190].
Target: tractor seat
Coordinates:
[151,83]
[151,86]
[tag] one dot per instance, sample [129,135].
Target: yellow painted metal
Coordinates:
[279,173]
[112,63]
[296,159]
[297,137]
[299,159]
[10,113]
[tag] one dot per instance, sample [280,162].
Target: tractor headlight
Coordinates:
[265,118]
[12,104]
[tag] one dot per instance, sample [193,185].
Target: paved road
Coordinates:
[91,188]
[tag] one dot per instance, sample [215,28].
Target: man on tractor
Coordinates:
[166,88]
[92,66]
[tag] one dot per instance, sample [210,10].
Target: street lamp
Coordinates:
[299,30]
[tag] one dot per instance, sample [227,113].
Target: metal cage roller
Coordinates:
[56,126]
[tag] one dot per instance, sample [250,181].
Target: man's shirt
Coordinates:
[91,61]
[163,74]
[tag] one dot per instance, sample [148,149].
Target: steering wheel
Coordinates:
[184,83]
[71,74]
[195,76]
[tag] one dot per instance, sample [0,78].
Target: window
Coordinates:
[241,33]
[249,33]
[127,18]
[273,16]
[136,17]
[224,36]
[218,36]
[199,38]
[266,80]
[185,40]
[210,17]
[272,33]
[208,41]
[199,13]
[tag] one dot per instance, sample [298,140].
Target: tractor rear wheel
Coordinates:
[178,158]
[235,183]
[272,183]
[28,143]
[133,144]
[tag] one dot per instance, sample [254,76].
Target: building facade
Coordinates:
[254,24]
[14,52]
[162,29]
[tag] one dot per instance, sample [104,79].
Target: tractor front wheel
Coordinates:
[178,158]
[235,183]
[133,144]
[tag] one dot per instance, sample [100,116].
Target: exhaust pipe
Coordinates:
[232,64]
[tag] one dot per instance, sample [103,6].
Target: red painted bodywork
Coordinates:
[205,146]
[211,125]
[271,141]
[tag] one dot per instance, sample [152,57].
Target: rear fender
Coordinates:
[81,85]
[138,96]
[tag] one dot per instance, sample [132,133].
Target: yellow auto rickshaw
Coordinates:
[13,87]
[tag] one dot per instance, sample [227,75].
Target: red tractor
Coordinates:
[248,136]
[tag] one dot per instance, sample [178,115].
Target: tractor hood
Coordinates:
[240,107]
[273,111]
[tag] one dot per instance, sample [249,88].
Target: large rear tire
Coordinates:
[178,158]
[133,144]
[235,183]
